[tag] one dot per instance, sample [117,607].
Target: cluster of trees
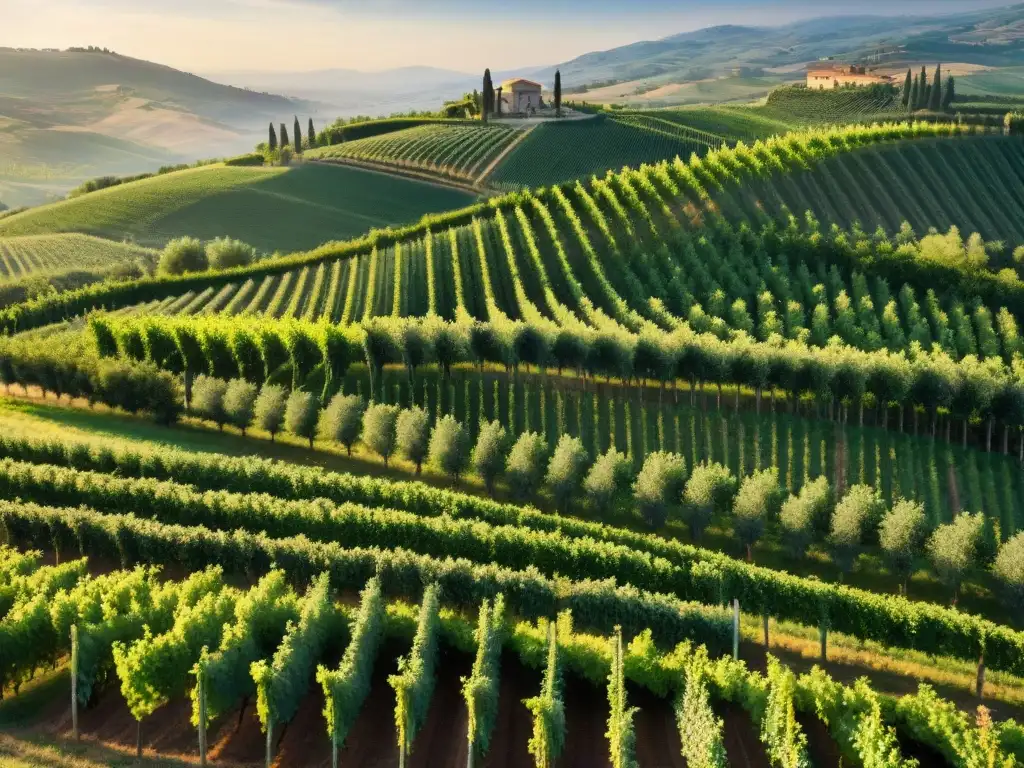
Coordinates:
[918,93]
[187,254]
[279,149]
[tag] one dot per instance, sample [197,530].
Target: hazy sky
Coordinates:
[217,35]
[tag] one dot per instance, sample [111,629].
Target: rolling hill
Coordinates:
[270,208]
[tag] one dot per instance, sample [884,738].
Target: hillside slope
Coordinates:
[271,208]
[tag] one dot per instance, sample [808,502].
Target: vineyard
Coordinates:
[41,255]
[804,106]
[550,154]
[458,152]
[271,208]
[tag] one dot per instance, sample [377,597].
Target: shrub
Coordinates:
[186,254]
[607,483]
[208,399]
[758,500]
[240,403]
[525,464]
[449,452]
[709,491]
[225,253]
[250,159]
[379,429]
[1009,571]
[342,420]
[565,470]
[900,536]
[800,515]
[138,387]
[270,407]
[301,414]
[855,511]
[953,549]
[412,434]
[659,486]
[490,453]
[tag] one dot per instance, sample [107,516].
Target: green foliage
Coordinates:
[490,453]
[239,403]
[659,487]
[186,254]
[621,738]
[859,509]
[380,429]
[414,683]
[346,688]
[709,491]
[759,500]
[804,514]
[548,710]
[953,549]
[449,447]
[525,465]
[607,484]
[225,253]
[301,413]
[342,420]
[700,732]
[270,408]
[412,435]
[208,399]
[566,470]
[901,535]
[1009,570]
[781,734]
[481,689]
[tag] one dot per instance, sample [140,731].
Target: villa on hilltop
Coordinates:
[833,77]
[520,96]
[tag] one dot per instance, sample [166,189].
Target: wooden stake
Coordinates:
[138,742]
[736,630]
[823,633]
[766,645]
[270,742]
[74,682]
[980,686]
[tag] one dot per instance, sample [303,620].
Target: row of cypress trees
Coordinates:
[918,93]
[272,141]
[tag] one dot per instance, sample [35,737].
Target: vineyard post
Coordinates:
[736,630]
[334,750]
[138,742]
[980,687]
[270,741]
[202,713]
[74,682]
[765,617]
[823,634]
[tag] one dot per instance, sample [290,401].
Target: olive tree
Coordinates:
[709,491]
[607,483]
[379,429]
[758,500]
[490,453]
[1009,572]
[412,435]
[208,399]
[658,489]
[800,514]
[240,403]
[855,511]
[269,408]
[225,253]
[953,549]
[301,414]
[186,254]
[525,464]
[342,420]
[449,447]
[900,536]
[566,470]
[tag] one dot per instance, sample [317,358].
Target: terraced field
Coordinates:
[40,255]
[552,153]
[459,152]
[271,208]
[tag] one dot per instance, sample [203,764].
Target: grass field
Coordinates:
[40,255]
[271,208]
[450,151]
[557,152]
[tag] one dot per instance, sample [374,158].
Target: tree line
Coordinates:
[935,96]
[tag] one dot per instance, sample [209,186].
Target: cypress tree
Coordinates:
[311,134]
[284,135]
[908,85]
[558,92]
[935,96]
[488,95]
[950,93]
[922,90]
[913,93]
[298,136]
[272,143]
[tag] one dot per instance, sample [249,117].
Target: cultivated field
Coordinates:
[41,255]
[270,208]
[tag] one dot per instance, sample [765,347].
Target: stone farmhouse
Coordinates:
[520,97]
[835,77]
